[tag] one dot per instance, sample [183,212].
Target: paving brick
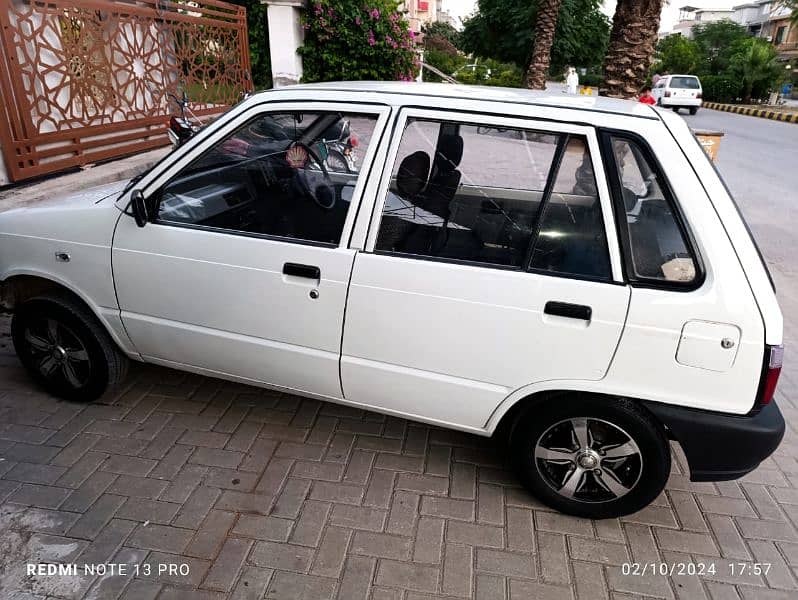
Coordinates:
[171,464]
[30,453]
[34,473]
[119,445]
[163,441]
[380,488]
[381,545]
[114,429]
[242,502]
[520,530]
[107,542]
[252,584]
[307,531]
[225,568]
[457,570]
[554,559]
[274,476]
[230,479]
[15,432]
[139,509]
[162,538]
[329,560]
[214,457]
[337,492]
[474,535]
[82,469]
[560,523]
[128,465]
[356,580]
[211,534]
[99,514]
[289,501]
[159,563]
[425,484]
[490,504]
[400,462]
[263,528]
[490,587]
[243,437]
[428,547]
[589,581]
[285,557]
[685,541]
[182,485]
[137,487]
[404,513]
[520,589]
[358,517]
[323,471]
[779,574]
[41,496]
[196,507]
[295,585]
[391,573]
[447,508]
[767,530]
[438,460]
[721,505]
[600,551]
[728,538]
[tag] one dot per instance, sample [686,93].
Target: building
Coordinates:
[690,16]
[421,12]
[770,19]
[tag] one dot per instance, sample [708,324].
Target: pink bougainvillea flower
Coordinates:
[375,14]
[358,21]
[372,41]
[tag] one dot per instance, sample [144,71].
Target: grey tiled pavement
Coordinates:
[263,495]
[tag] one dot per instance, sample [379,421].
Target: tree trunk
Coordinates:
[545,26]
[631,50]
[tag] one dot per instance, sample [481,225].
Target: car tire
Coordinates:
[623,466]
[65,349]
[675,109]
[693,110]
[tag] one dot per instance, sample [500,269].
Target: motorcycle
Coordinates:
[337,148]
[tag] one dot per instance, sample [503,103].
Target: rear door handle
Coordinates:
[306,271]
[568,310]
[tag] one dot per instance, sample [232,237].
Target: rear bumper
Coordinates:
[686,102]
[720,446]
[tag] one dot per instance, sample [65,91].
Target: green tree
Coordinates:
[756,65]
[716,42]
[677,54]
[443,30]
[500,29]
[442,54]
[346,40]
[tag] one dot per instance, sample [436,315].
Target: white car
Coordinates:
[678,91]
[568,273]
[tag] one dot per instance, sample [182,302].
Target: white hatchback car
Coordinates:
[567,272]
[678,91]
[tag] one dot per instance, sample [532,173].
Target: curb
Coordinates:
[773,115]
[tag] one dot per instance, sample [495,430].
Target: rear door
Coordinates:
[682,86]
[490,264]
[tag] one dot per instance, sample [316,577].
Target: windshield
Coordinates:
[689,83]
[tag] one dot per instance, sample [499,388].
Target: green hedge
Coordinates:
[720,88]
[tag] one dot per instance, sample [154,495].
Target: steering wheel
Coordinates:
[326,203]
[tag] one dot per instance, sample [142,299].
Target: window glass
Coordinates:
[290,175]
[572,238]
[658,247]
[689,83]
[466,192]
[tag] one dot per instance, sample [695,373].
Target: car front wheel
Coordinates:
[64,348]
[592,457]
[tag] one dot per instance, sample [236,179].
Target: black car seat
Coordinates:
[411,179]
[445,178]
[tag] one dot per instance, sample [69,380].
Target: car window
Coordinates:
[572,238]
[657,244]
[688,83]
[474,193]
[289,175]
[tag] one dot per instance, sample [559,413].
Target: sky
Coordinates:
[670,14]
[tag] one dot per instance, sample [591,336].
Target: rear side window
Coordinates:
[503,197]
[687,83]
[657,246]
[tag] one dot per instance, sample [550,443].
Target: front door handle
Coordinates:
[568,310]
[306,271]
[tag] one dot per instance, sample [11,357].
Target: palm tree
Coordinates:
[545,26]
[632,44]
[756,66]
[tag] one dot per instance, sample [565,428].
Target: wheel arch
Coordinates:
[21,285]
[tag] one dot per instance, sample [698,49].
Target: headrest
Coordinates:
[449,153]
[413,173]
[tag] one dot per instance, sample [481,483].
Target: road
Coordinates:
[759,160]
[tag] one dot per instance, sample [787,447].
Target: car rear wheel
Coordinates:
[693,110]
[64,348]
[676,109]
[592,457]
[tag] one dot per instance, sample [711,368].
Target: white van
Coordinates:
[678,91]
[568,273]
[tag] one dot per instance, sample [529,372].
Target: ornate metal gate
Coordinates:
[86,80]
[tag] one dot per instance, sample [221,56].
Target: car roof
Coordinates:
[401,93]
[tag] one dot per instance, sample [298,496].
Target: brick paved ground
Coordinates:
[267,495]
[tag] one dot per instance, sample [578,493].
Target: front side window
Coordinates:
[289,175]
[656,242]
[479,194]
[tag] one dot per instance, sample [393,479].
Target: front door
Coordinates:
[243,270]
[487,268]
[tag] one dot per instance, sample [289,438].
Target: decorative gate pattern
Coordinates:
[86,80]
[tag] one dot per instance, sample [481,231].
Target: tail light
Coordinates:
[667,93]
[699,95]
[774,356]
